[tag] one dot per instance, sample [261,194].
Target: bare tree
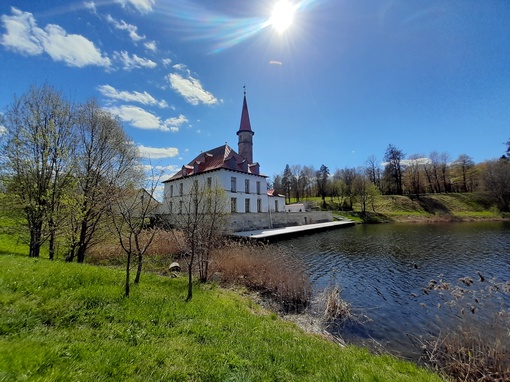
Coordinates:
[373,169]
[308,181]
[107,161]
[131,212]
[201,224]
[413,178]
[38,146]
[465,165]
[297,181]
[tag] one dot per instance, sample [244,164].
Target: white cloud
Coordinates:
[3,130]
[190,88]
[166,61]
[142,119]
[157,152]
[143,98]
[133,62]
[24,36]
[138,117]
[171,168]
[90,5]
[142,6]
[151,45]
[122,25]
[175,123]
[21,33]
[415,161]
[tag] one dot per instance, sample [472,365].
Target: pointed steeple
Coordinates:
[245,133]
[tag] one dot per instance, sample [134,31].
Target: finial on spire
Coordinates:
[244,87]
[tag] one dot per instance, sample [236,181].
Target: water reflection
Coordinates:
[384,271]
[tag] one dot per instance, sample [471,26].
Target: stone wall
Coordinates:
[257,221]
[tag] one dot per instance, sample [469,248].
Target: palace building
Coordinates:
[245,187]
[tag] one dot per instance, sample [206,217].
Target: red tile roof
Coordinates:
[220,157]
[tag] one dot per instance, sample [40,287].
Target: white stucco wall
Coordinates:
[223,179]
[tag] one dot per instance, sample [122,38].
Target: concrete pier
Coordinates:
[278,233]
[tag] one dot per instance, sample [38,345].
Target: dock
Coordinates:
[285,232]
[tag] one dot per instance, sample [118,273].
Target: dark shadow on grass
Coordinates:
[430,205]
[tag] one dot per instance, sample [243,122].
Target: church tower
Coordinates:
[245,134]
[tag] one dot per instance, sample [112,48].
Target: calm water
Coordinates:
[384,271]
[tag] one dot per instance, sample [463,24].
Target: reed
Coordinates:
[474,344]
[269,270]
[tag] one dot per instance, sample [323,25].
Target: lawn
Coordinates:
[63,322]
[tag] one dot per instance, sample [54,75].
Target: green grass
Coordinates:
[63,322]
[430,207]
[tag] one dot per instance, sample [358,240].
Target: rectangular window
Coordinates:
[180,206]
[181,189]
[171,207]
[233,184]
[209,183]
[258,188]
[233,205]
[171,190]
[276,205]
[259,205]
[247,186]
[195,186]
[247,205]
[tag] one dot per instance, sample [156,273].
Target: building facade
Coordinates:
[244,188]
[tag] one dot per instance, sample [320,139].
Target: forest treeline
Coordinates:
[398,175]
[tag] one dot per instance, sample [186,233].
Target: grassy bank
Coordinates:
[70,322]
[425,208]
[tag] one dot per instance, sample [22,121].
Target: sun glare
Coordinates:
[282,15]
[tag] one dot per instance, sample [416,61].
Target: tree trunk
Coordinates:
[139,268]
[128,265]
[82,245]
[190,282]
[35,240]
[51,244]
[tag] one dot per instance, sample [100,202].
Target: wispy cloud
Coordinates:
[189,87]
[25,37]
[133,62]
[143,119]
[151,45]
[90,5]
[157,152]
[143,98]
[122,25]
[142,6]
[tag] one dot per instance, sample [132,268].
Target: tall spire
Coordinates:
[245,133]
[245,117]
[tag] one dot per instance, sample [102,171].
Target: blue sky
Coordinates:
[344,81]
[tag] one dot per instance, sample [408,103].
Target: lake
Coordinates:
[404,277]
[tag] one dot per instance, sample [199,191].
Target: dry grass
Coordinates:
[336,308]
[472,353]
[163,249]
[476,349]
[269,270]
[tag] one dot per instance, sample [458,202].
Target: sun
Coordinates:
[282,15]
